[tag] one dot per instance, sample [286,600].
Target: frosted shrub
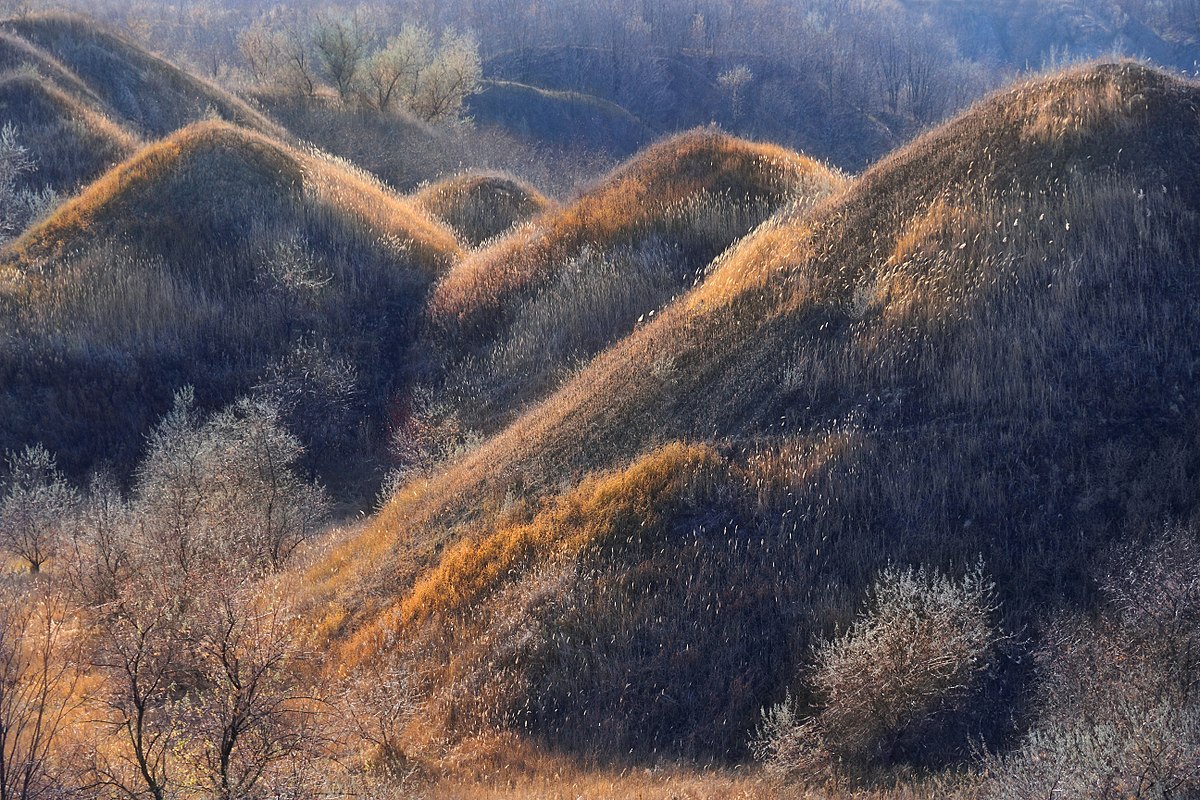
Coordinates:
[1119,705]
[882,686]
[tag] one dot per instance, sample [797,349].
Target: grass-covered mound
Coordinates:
[983,348]
[559,118]
[148,93]
[512,320]
[481,206]
[222,258]
[70,142]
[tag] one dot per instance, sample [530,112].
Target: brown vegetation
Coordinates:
[989,319]
[742,390]
[150,94]
[481,206]
[512,320]
[71,142]
[215,246]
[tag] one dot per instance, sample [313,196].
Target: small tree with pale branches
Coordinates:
[37,507]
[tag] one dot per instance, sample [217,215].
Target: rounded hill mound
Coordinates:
[983,349]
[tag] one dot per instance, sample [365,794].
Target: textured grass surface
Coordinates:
[987,326]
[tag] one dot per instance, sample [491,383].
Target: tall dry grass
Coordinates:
[204,259]
[482,206]
[512,321]
[992,326]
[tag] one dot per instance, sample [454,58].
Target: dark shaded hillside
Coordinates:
[482,206]
[143,90]
[17,54]
[70,142]
[510,321]
[982,348]
[682,90]
[225,259]
[405,152]
[562,118]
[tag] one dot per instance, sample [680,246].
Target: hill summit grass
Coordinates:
[512,320]
[215,257]
[981,349]
[482,206]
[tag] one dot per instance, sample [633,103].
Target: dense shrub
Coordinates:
[19,206]
[883,686]
[1119,699]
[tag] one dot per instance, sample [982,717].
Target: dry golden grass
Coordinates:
[514,320]
[204,259]
[173,194]
[593,515]
[482,206]
[646,194]
[989,317]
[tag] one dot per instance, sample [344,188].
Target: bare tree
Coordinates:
[37,507]
[1118,702]
[170,494]
[101,561]
[341,47]
[263,507]
[19,207]
[38,680]
[248,715]
[264,51]
[453,76]
[394,72]
[912,657]
[139,655]
[223,492]
[735,81]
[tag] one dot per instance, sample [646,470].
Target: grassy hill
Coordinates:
[559,118]
[481,206]
[71,142]
[17,54]
[511,320]
[222,258]
[982,348]
[677,90]
[146,92]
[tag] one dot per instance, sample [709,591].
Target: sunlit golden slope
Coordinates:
[214,187]
[984,347]
[514,318]
[204,259]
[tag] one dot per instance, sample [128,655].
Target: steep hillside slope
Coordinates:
[70,142]
[481,206]
[983,349]
[562,118]
[222,258]
[151,95]
[511,320]
[672,90]
[17,54]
